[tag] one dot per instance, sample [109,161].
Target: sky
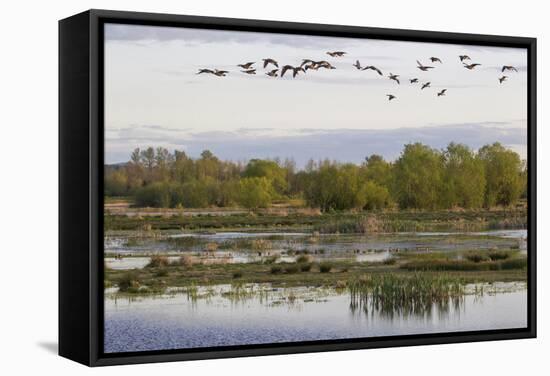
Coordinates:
[153,96]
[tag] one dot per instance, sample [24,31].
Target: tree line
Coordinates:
[421,178]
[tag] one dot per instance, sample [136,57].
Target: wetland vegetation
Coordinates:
[342,237]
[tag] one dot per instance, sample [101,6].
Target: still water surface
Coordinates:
[176,322]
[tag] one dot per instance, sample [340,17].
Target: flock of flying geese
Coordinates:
[308,64]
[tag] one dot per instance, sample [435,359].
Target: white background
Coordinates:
[28,214]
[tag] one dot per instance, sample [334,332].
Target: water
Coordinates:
[235,247]
[156,323]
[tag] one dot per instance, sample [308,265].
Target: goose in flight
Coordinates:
[220,73]
[324,64]
[336,53]
[310,66]
[273,73]
[413,80]
[205,71]
[463,57]
[441,93]
[372,67]
[246,66]
[502,79]
[427,84]
[357,65]
[435,60]
[294,70]
[307,62]
[508,68]
[470,66]
[249,71]
[394,77]
[270,61]
[390,96]
[423,68]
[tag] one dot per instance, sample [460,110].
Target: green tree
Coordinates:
[254,192]
[375,196]
[116,183]
[322,189]
[348,194]
[378,170]
[155,195]
[260,168]
[503,173]
[417,177]
[463,178]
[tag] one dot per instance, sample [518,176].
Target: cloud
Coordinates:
[350,145]
[143,34]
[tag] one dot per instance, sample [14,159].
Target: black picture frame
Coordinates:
[81,186]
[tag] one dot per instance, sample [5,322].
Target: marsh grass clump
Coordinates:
[465,265]
[325,267]
[161,273]
[158,261]
[132,242]
[211,247]
[270,259]
[392,294]
[292,269]
[128,282]
[514,263]
[476,257]
[237,274]
[260,244]
[499,255]
[305,267]
[238,292]
[187,261]
[276,269]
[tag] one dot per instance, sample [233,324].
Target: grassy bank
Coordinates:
[339,222]
[160,273]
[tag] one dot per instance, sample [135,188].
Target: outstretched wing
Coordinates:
[285,68]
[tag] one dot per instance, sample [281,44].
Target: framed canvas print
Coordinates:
[236,187]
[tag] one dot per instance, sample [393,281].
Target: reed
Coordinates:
[392,294]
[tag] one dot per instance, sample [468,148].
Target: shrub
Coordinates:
[499,255]
[305,267]
[515,263]
[186,261]
[161,273]
[291,269]
[128,282]
[476,257]
[325,267]
[276,269]
[237,274]
[270,259]
[156,195]
[158,261]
